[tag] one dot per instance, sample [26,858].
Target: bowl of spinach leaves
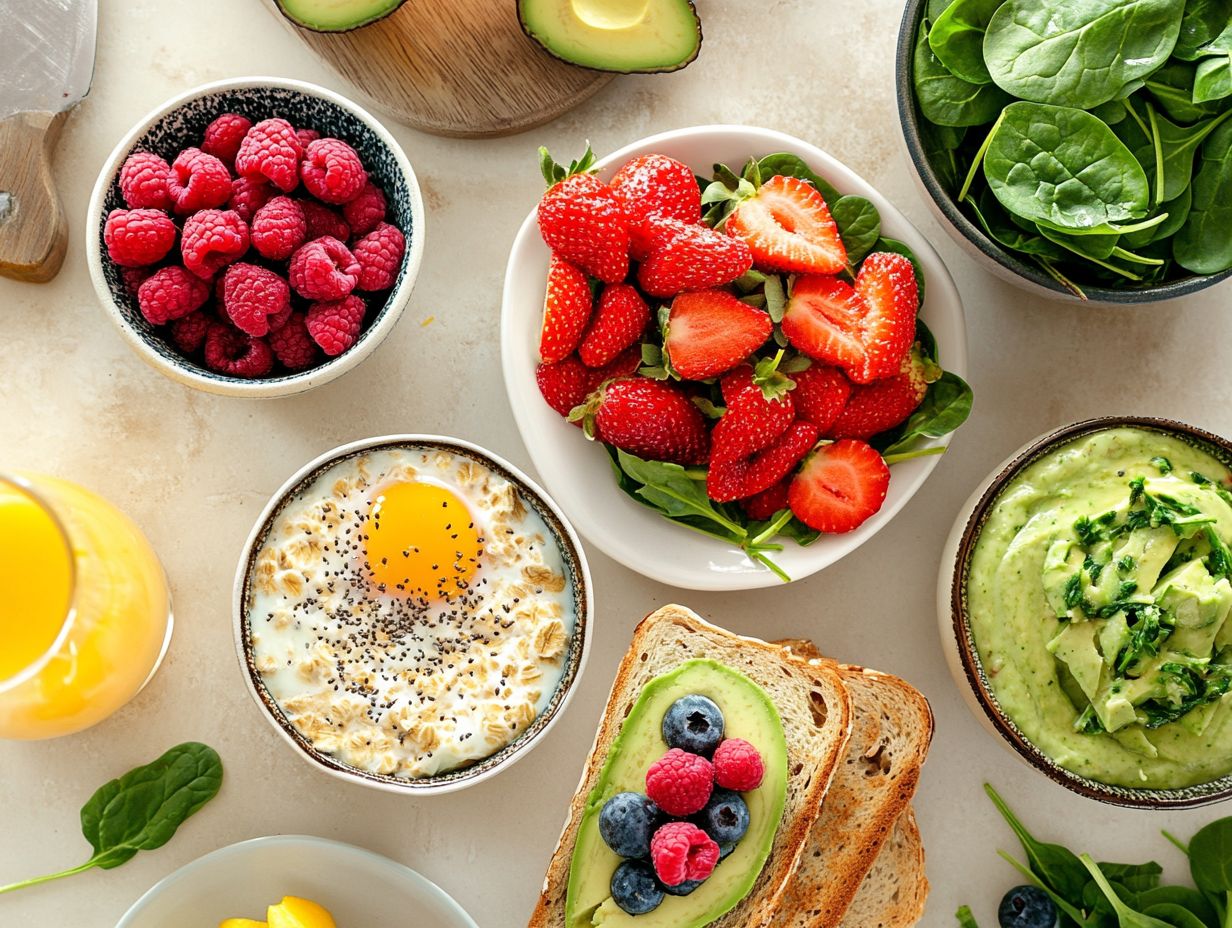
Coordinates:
[1082,150]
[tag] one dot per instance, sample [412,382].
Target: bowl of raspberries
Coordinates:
[256,236]
[731,358]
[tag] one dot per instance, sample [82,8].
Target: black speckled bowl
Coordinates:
[963,657]
[1007,266]
[180,123]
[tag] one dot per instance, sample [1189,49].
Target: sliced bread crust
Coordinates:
[891,732]
[816,713]
[895,890]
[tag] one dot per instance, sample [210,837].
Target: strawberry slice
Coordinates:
[691,257]
[566,310]
[710,331]
[788,227]
[839,487]
[820,394]
[732,480]
[879,406]
[867,329]
[619,320]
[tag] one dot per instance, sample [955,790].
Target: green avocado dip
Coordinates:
[1098,595]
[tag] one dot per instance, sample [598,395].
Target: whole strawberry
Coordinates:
[619,320]
[656,185]
[731,480]
[883,404]
[759,410]
[583,220]
[649,418]
[692,257]
[566,310]
[820,394]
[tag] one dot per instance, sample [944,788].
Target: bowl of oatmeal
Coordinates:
[412,613]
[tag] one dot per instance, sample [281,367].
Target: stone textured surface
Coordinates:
[194,470]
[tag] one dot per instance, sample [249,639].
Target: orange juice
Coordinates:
[84,608]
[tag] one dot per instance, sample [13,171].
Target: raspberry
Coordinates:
[252,297]
[335,325]
[323,269]
[212,239]
[249,194]
[188,333]
[738,765]
[332,171]
[324,221]
[292,345]
[379,254]
[198,181]
[680,782]
[272,150]
[231,352]
[366,211]
[278,228]
[224,135]
[134,277]
[171,293]
[306,136]
[681,851]
[143,181]
[135,237]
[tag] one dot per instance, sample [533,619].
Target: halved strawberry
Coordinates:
[820,394]
[566,310]
[583,219]
[839,487]
[732,480]
[788,227]
[710,331]
[655,186]
[759,410]
[618,321]
[865,330]
[878,406]
[692,257]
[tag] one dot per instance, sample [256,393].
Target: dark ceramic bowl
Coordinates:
[971,237]
[960,649]
[576,568]
[178,124]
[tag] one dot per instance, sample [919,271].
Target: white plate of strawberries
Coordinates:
[731,359]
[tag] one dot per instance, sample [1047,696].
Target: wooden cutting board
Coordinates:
[460,68]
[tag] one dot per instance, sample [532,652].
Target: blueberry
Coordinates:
[627,822]
[725,817]
[693,724]
[635,889]
[725,851]
[1027,907]
[683,889]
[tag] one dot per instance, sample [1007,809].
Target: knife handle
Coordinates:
[33,232]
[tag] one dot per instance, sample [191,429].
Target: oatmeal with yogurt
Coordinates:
[409,612]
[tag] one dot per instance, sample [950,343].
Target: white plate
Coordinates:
[577,473]
[360,888]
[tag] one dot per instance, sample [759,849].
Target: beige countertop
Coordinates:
[194,470]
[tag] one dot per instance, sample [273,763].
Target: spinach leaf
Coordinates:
[141,810]
[1213,79]
[1134,877]
[1172,87]
[937,7]
[1183,896]
[1204,243]
[946,406]
[793,166]
[957,38]
[1210,857]
[1221,44]
[1177,212]
[1057,867]
[1078,53]
[1172,914]
[1064,167]
[1202,22]
[940,144]
[1174,148]
[990,215]
[859,225]
[948,100]
[1126,916]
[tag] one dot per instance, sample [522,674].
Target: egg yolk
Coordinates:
[421,541]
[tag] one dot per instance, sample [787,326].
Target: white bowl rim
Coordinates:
[292,383]
[403,872]
[584,607]
[626,550]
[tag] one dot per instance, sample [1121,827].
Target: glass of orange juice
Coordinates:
[85,614]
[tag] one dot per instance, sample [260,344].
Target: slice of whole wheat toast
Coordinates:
[892,728]
[816,714]
[894,891]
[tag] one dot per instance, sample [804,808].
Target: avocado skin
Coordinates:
[546,45]
[287,9]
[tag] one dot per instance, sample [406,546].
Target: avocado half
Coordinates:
[336,15]
[626,36]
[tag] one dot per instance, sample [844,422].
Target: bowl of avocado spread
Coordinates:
[1088,595]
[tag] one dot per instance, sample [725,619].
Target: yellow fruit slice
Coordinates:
[294,912]
[241,923]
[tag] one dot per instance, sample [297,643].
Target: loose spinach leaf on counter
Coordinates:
[1078,54]
[141,810]
[1057,867]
